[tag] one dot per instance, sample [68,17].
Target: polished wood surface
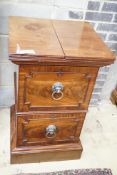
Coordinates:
[39,88]
[79,40]
[49,52]
[32,129]
[13,131]
[56,42]
[32,34]
[71,154]
[35,88]
[33,154]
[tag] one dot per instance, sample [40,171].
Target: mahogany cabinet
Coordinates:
[58,63]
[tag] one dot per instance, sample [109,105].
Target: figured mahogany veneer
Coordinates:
[35,88]
[58,65]
[30,154]
[32,129]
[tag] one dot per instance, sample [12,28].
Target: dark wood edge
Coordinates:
[97,62]
[12,127]
[51,148]
[46,156]
[15,91]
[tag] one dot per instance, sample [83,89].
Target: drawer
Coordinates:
[45,129]
[55,88]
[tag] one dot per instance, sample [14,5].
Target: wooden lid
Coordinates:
[56,42]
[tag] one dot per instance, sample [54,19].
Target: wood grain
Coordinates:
[33,34]
[39,88]
[56,42]
[13,132]
[31,154]
[32,129]
[79,40]
[69,152]
[35,88]
[66,154]
[47,52]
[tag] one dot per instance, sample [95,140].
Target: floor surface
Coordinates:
[98,137]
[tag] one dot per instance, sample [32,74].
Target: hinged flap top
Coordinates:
[56,42]
[29,36]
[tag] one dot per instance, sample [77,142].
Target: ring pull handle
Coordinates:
[51,131]
[57,93]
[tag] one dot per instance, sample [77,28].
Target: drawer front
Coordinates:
[64,89]
[49,129]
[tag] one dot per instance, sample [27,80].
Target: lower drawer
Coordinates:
[45,129]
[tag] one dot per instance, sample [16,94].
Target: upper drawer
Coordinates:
[55,90]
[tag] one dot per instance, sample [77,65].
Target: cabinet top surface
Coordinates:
[56,41]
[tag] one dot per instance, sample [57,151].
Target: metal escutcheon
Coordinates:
[51,131]
[57,91]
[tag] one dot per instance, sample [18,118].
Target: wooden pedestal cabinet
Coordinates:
[58,63]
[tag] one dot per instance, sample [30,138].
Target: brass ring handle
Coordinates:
[51,131]
[57,91]
[58,98]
